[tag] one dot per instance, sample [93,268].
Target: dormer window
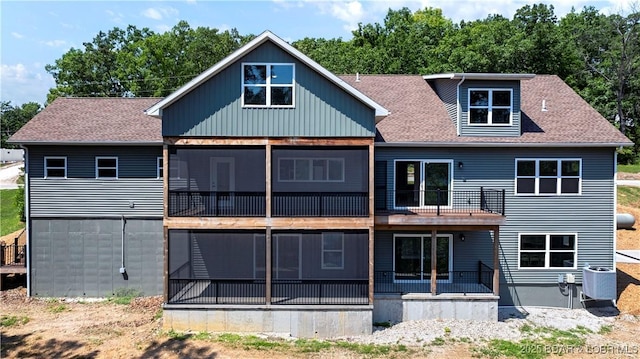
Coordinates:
[268,85]
[490,106]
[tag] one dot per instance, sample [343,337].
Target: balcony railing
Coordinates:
[216,204]
[463,282]
[284,292]
[441,202]
[320,204]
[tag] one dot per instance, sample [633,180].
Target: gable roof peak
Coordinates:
[156,110]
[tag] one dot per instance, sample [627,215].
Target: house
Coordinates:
[270,195]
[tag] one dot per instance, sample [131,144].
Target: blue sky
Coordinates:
[36,33]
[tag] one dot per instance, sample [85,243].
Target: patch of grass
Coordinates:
[124,296]
[201,336]
[158,314]
[177,335]
[634,168]
[9,212]
[311,346]
[438,341]
[57,308]
[629,196]
[11,320]
[605,329]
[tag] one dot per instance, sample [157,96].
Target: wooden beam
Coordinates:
[165,274]
[263,222]
[435,220]
[434,259]
[165,180]
[322,222]
[261,141]
[267,266]
[440,228]
[371,269]
[268,181]
[496,261]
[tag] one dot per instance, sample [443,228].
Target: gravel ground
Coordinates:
[510,320]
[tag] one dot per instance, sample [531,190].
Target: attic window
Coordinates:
[268,85]
[490,106]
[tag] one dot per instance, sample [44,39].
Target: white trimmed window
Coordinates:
[159,167]
[490,106]
[268,85]
[548,176]
[106,167]
[332,250]
[55,167]
[547,251]
[311,169]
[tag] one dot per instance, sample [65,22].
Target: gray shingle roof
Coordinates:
[417,115]
[93,120]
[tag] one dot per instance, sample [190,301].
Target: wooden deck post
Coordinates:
[496,261]
[267,265]
[434,259]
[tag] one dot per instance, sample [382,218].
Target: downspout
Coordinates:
[459,107]
[27,217]
[123,269]
[615,205]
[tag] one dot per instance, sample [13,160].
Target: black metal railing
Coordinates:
[463,282]
[13,255]
[309,292]
[284,292]
[218,291]
[216,204]
[320,204]
[441,202]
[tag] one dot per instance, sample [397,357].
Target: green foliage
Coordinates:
[178,335]
[629,196]
[12,320]
[57,308]
[11,210]
[605,329]
[14,117]
[438,341]
[124,296]
[630,168]
[311,346]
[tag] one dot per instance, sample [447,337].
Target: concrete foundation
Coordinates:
[418,306]
[296,321]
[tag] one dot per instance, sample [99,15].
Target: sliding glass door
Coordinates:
[412,257]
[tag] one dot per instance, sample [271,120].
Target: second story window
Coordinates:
[106,167]
[490,106]
[548,176]
[55,167]
[311,170]
[268,85]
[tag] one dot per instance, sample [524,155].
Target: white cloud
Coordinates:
[54,43]
[163,28]
[159,13]
[21,84]
[116,17]
[17,35]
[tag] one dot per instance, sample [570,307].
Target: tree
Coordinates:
[12,118]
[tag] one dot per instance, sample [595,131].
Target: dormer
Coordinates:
[481,104]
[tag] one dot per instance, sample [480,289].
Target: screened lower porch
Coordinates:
[256,268]
[457,262]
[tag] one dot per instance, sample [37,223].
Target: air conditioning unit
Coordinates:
[599,283]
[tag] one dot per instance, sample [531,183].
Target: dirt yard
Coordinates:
[35,328]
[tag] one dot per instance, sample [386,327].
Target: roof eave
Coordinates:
[504,144]
[156,110]
[478,76]
[85,143]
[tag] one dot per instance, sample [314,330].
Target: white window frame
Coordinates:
[310,166]
[537,177]
[268,85]
[159,167]
[422,183]
[46,168]
[341,251]
[98,158]
[490,107]
[422,236]
[547,251]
